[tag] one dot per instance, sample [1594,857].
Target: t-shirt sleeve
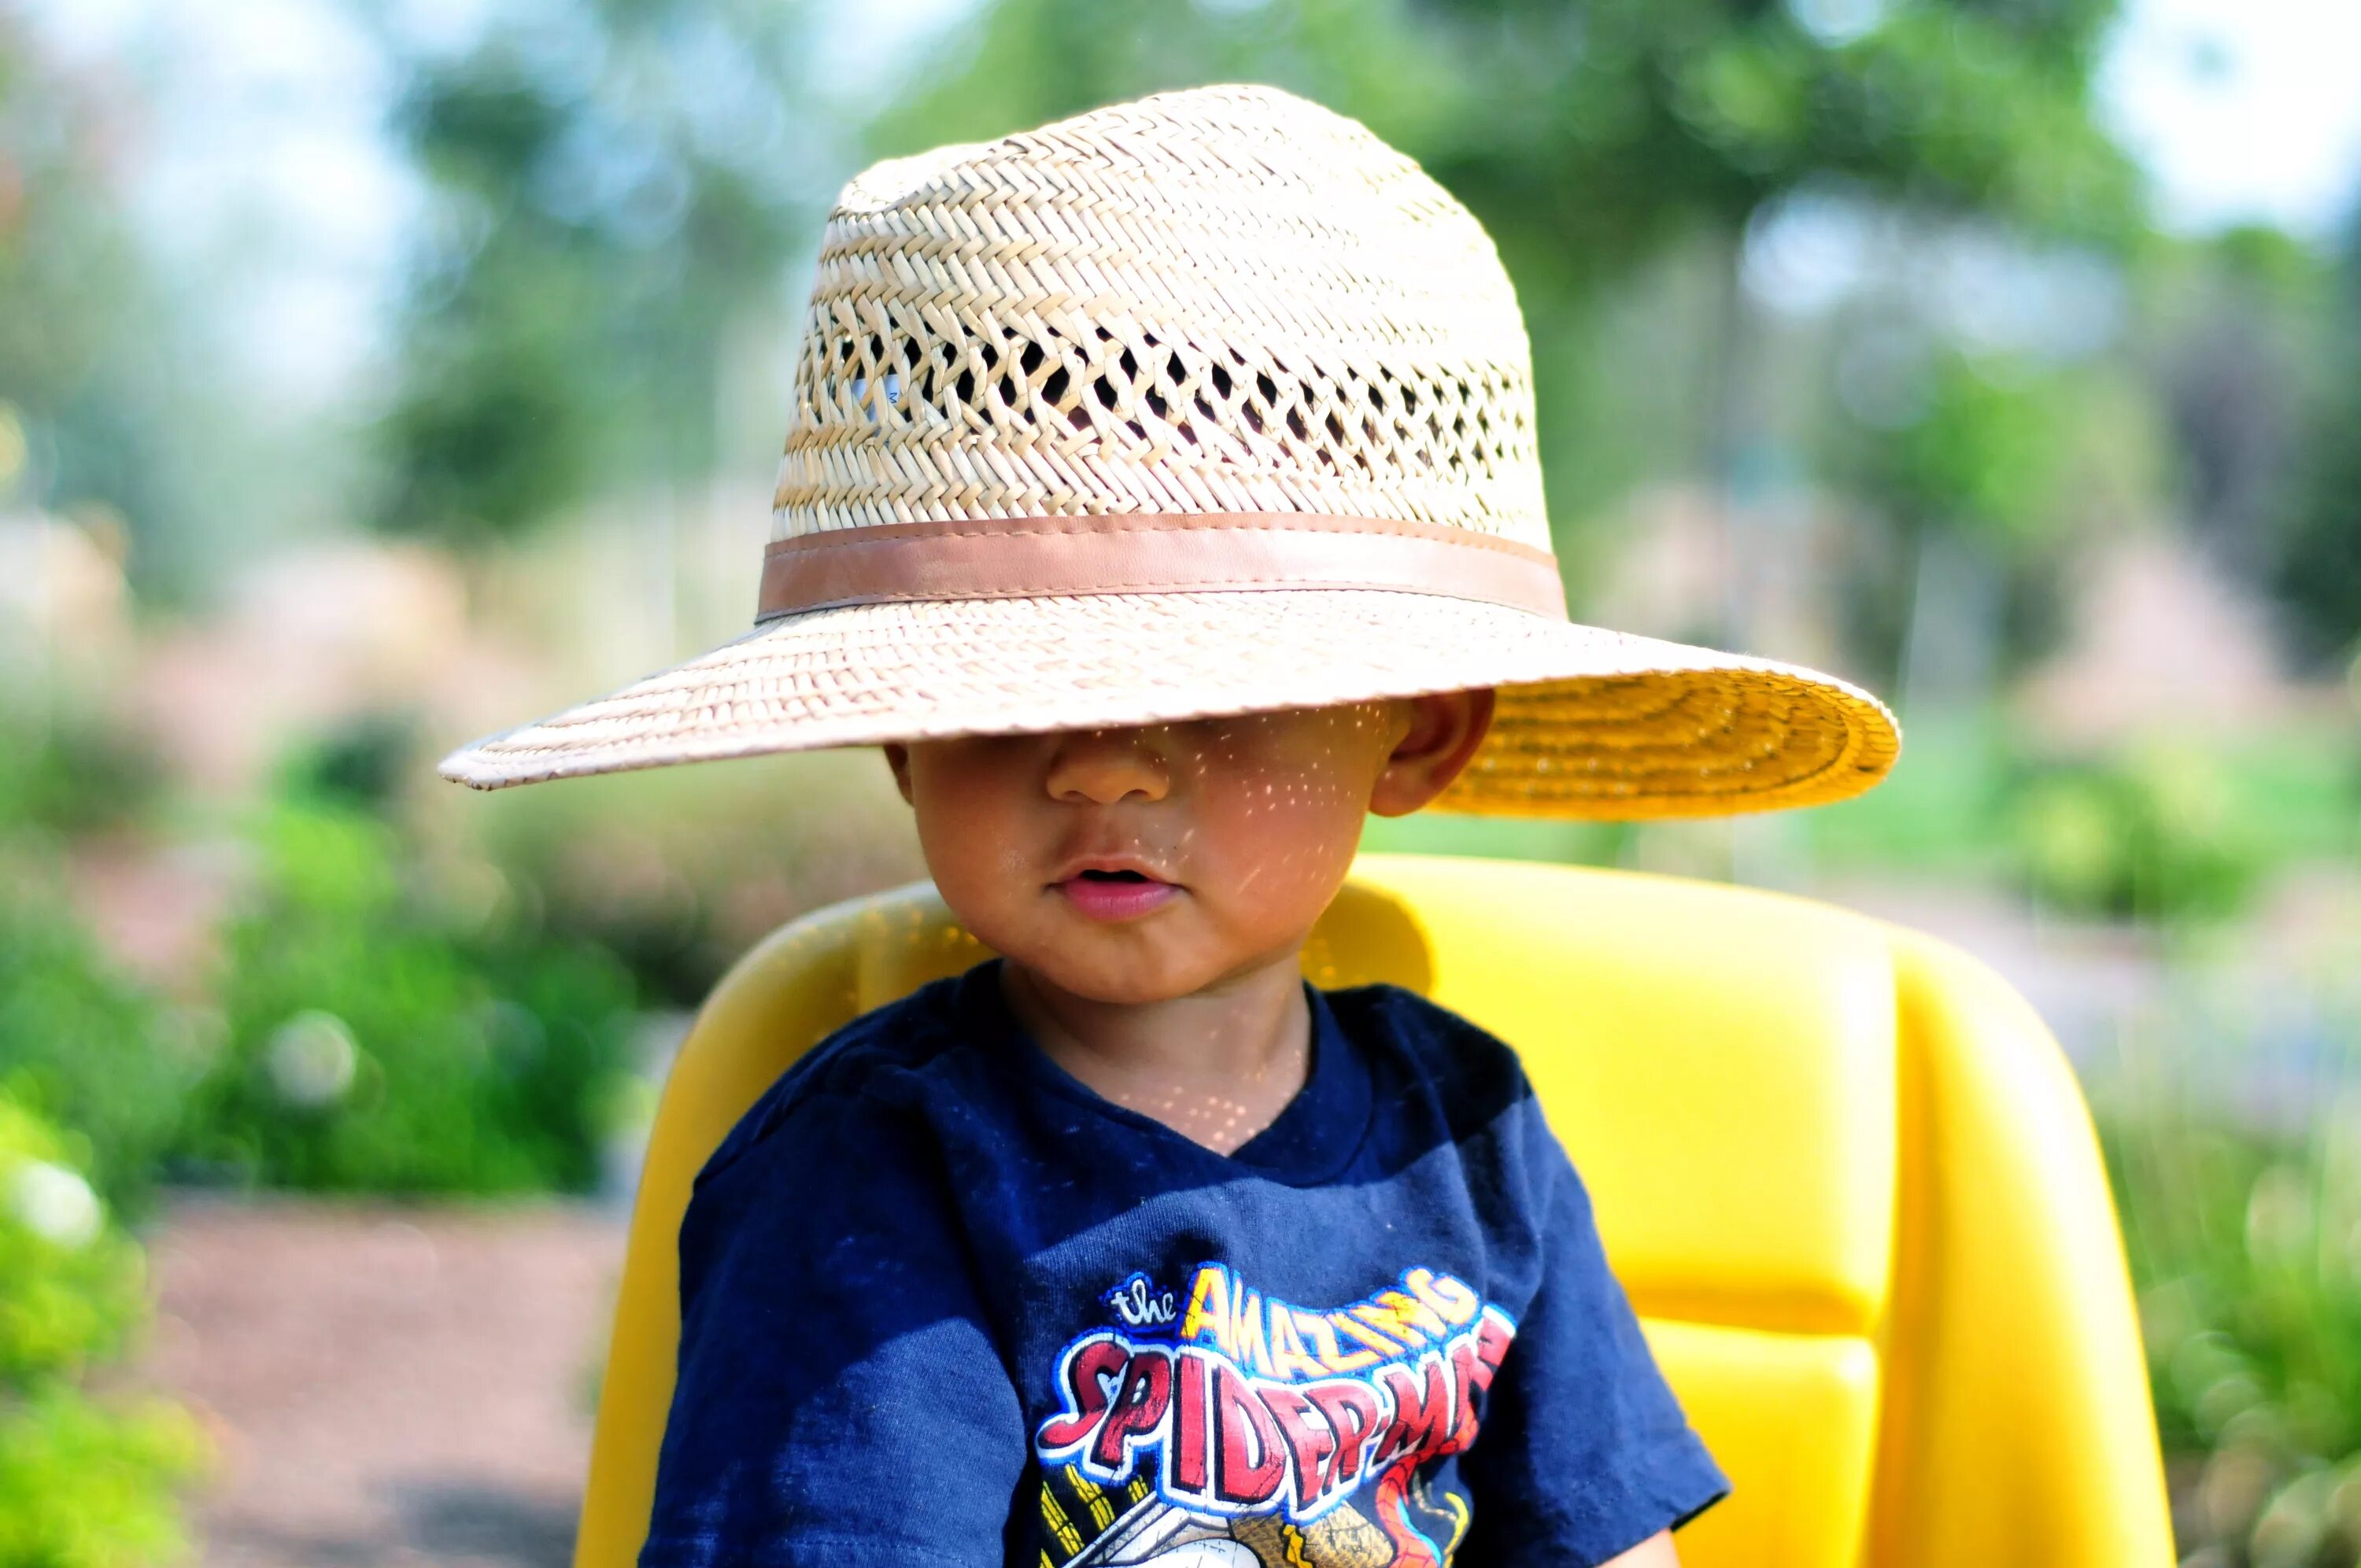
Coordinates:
[1583,1452]
[841,1399]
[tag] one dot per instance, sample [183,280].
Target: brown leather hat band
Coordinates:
[1137,552]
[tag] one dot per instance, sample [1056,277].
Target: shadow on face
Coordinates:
[1142,864]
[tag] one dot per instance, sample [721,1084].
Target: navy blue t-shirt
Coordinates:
[943,1303]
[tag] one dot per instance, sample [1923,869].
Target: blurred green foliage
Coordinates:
[380,1039]
[2154,836]
[1970,465]
[1584,136]
[110,388]
[85,1482]
[71,1288]
[1983,455]
[2317,571]
[84,1045]
[2163,833]
[678,871]
[620,186]
[84,1486]
[74,771]
[613,193]
[63,242]
[368,1028]
[1596,139]
[1943,811]
[80,1041]
[2242,1223]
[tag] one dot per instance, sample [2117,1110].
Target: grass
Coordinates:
[2236,1164]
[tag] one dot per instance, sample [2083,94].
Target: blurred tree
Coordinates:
[2240,316]
[62,245]
[1584,134]
[82,419]
[2318,565]
[1983,453]
[1968,470]
[615,188]
[1591,137]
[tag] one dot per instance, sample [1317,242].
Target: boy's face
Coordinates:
[1139,865]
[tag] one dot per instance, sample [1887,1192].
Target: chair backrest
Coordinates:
[1843,1171]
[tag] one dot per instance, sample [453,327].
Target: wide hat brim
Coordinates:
[1590,723]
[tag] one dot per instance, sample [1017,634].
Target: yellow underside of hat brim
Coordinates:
[1590,723]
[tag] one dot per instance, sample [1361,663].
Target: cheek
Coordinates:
[1285,844]
[971,826]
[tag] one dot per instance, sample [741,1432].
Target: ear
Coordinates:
[897,757]
[1444,730]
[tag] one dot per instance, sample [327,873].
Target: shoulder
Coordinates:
[1463,1063]
[836,1168]
[1441,1078]
[875,1073]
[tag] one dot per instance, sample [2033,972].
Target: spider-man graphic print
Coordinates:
[1293,1437]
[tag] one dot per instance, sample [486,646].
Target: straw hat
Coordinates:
[1207,404]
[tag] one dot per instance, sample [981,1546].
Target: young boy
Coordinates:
[1163,499]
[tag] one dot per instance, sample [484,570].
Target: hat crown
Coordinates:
[1226,299]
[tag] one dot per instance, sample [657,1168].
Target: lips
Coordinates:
[1114,888]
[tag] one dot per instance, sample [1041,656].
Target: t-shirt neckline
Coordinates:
[1310,1140]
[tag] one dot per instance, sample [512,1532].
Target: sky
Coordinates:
[2241,109]
[265,121]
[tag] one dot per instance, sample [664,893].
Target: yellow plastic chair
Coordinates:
[1843,1171]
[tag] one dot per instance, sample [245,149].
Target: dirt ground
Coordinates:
[386,1385]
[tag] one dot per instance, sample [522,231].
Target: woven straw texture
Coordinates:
[1220,300]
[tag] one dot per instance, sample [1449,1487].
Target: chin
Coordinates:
[1121,979]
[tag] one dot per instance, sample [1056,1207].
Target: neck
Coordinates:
[1216,1066]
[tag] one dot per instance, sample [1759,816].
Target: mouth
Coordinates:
[1114,889]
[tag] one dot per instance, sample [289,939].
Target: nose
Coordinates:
[1104,766]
